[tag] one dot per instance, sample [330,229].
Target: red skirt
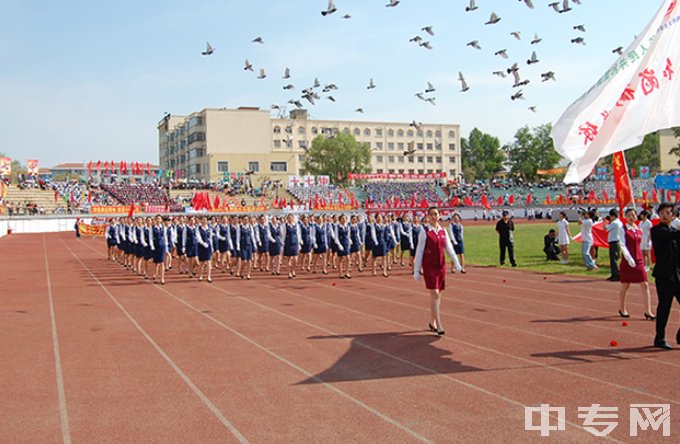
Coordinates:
[435,279]
[634,274]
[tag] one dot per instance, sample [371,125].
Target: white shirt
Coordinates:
[587,230]
[615,230]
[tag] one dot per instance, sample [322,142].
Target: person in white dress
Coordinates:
[646,244]
[563,236]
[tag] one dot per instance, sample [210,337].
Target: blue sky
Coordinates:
[88,80]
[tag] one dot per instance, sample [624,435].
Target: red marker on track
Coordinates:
[614,343]
[624,323]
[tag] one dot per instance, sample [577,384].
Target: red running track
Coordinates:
[92,353]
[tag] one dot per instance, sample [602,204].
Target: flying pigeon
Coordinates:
[426,45]
[500,74]
[565,6]
[581,28]
[347,16]
[430,88]
[518,95]
[431,100]
[474,44]
[248,67]
[516,34]
[330,9]
[316,83]
[416,39]
[555,6]
[416,125]
[579,41]
[529,3]
[259,40]
[493,19]
[428,29]
[533,59]
[547,76]
[392,4]
[208,49]
[262,74]
[536,40]
[289,86]
[471,7]
[371,85]
[331,98]
[286,74]
[502,52]
[463,84]
[361,110]
[618,50]
[532,109]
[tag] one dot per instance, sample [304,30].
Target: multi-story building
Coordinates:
[210,143]
[667,140]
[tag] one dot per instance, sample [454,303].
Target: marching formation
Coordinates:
[237,245]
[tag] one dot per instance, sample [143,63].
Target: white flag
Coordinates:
[638,94]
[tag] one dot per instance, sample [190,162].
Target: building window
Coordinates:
[194,121]
[438,133]
[379,170]
[277,144]
[379,159]
[400,133]
[430,159]
[302,144]
[452,147]
[314,130]
[390,146]
[430,146]
[410,133]
[438,159]
[277,129]
[420,159]
[357,132]
[400,159]
[390,133]
[289,129]
[391,171]
[301,158]
[222,167]
[420,146]
[452,134]
[278,167]
[452,173]
[379,145]
[400,145]
[421,171]
[301,130]
[420,133]
[430,171]
[411,171]
[429,133]
[378,132]
[254,166]
[390,159]
[346,130]
[367,132]
[411,159]
[401,171]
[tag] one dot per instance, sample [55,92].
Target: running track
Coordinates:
[91,353]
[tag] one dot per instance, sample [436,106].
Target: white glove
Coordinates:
[416,276]
[631,262]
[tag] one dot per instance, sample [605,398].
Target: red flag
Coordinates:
[99,166]
[511,199]
[217,201]
[605,196]
[499,201]
[423,203]
[56,195]
[485,202]
[668,195]
[644,195]
[624,193]
[547,200]
[89,167]
[677,196]
[148,169]
[467,201]
[276,202]
[131,211]
[106,166]
[529,199]
[655,197]
[283,203]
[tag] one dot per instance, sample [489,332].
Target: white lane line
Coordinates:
[63,411]
[165,356]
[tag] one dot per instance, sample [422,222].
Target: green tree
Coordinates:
[338,154]
[17,168]
[481,155]
[645,154]
[531,150]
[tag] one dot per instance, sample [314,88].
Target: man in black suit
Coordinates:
[505,228]
[666,243]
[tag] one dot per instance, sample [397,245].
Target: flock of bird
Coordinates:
[318,91]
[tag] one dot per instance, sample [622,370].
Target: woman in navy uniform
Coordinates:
[291,238]
[150,247]
[368,245]
[392,243]
[332,244]
[160,244]
[415,233]
[215,261]
[205,248]
[275,246]
[234,229]
[223,243]
[457,239]
[246,241]
[171,236]
[356,242]
[405,237]
[111,239]
[140,246]
[343,242]
[306,245]
[379,250]
[191,246]
[264,237]
[320,239]
[181,252]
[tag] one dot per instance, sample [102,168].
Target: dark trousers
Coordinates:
[614,258]
[511,252]
[666,290]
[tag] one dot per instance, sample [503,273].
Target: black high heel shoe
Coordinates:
[624,315]
[431,328]
[441,332]
[650,317]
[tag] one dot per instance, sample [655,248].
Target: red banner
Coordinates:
[5,166]
[385,176]
[32,166]
[91,230]
[624,194]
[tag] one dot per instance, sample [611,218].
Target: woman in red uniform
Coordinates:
[433,240]
[633,265]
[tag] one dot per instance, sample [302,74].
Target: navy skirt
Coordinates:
[459,248]
[204,253]
[379,250]
[291,250]
[148,253]
[159,255]
[274,249]
[246,254]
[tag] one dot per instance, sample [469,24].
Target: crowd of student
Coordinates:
[382,192]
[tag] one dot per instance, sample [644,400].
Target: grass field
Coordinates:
[481,248]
